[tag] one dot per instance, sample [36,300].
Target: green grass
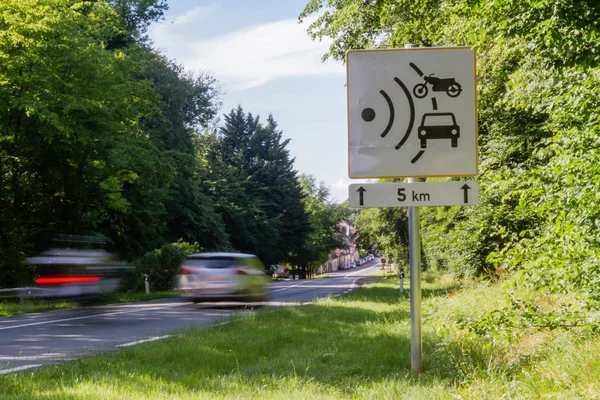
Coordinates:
[134,297]
[9,308]
[352,347]
[14,307]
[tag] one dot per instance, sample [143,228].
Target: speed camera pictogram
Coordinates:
[412,112]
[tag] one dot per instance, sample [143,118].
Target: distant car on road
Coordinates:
[223,276]
[351,264]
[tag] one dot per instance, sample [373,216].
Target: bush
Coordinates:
[160,265]
[187,248]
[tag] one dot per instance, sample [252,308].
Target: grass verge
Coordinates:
[356,347]
[12,307]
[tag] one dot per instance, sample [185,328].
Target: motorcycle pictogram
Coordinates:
[448,85]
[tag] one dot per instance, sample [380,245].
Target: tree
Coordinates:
[186,102]
[385,229]
[274,180]
[139,14]
[257,190]
[357,24]
[327,235]
[538,65]
[96,137]
[65,101]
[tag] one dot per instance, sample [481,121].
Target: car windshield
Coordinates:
[438,120]
[213,263]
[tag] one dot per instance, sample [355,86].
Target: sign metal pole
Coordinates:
[414,255]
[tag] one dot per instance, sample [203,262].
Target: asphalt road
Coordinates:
[33,340]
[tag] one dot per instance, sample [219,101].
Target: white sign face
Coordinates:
[414,194]
[412,112]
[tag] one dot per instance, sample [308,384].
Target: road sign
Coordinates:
[451,193]
[412,112]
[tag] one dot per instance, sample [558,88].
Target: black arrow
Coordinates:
[361,190]
[465,189]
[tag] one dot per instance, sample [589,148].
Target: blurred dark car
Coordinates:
[76,274]
[223,276]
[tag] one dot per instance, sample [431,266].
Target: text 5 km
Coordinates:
[415,195]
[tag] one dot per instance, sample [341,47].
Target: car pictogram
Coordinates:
[438,126]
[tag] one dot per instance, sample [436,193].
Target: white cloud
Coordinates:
[339,190]
[195,14]
[249,57]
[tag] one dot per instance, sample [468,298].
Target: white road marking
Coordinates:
[43,356]
[152,339]
[17,369]
[362,271]
[289,287]
[88,316]
[222,323]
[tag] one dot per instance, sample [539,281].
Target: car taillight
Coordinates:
[66,279]
[241,272]
[185,271]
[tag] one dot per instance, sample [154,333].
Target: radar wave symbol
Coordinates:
[368,114]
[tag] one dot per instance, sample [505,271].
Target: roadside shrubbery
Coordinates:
[160,265]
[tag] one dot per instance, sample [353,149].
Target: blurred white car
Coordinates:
[223,276]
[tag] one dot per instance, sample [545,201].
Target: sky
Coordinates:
[265,61]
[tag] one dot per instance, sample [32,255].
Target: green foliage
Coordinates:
[538,64]
[510,323]
[186,102]
[256,189]
[96,136]
[65,103]
[138,14]
[160,266]
[100,134]
[384,229]
[326,234]
[187,248]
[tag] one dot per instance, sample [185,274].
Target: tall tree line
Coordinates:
[256,188]
[102,135]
